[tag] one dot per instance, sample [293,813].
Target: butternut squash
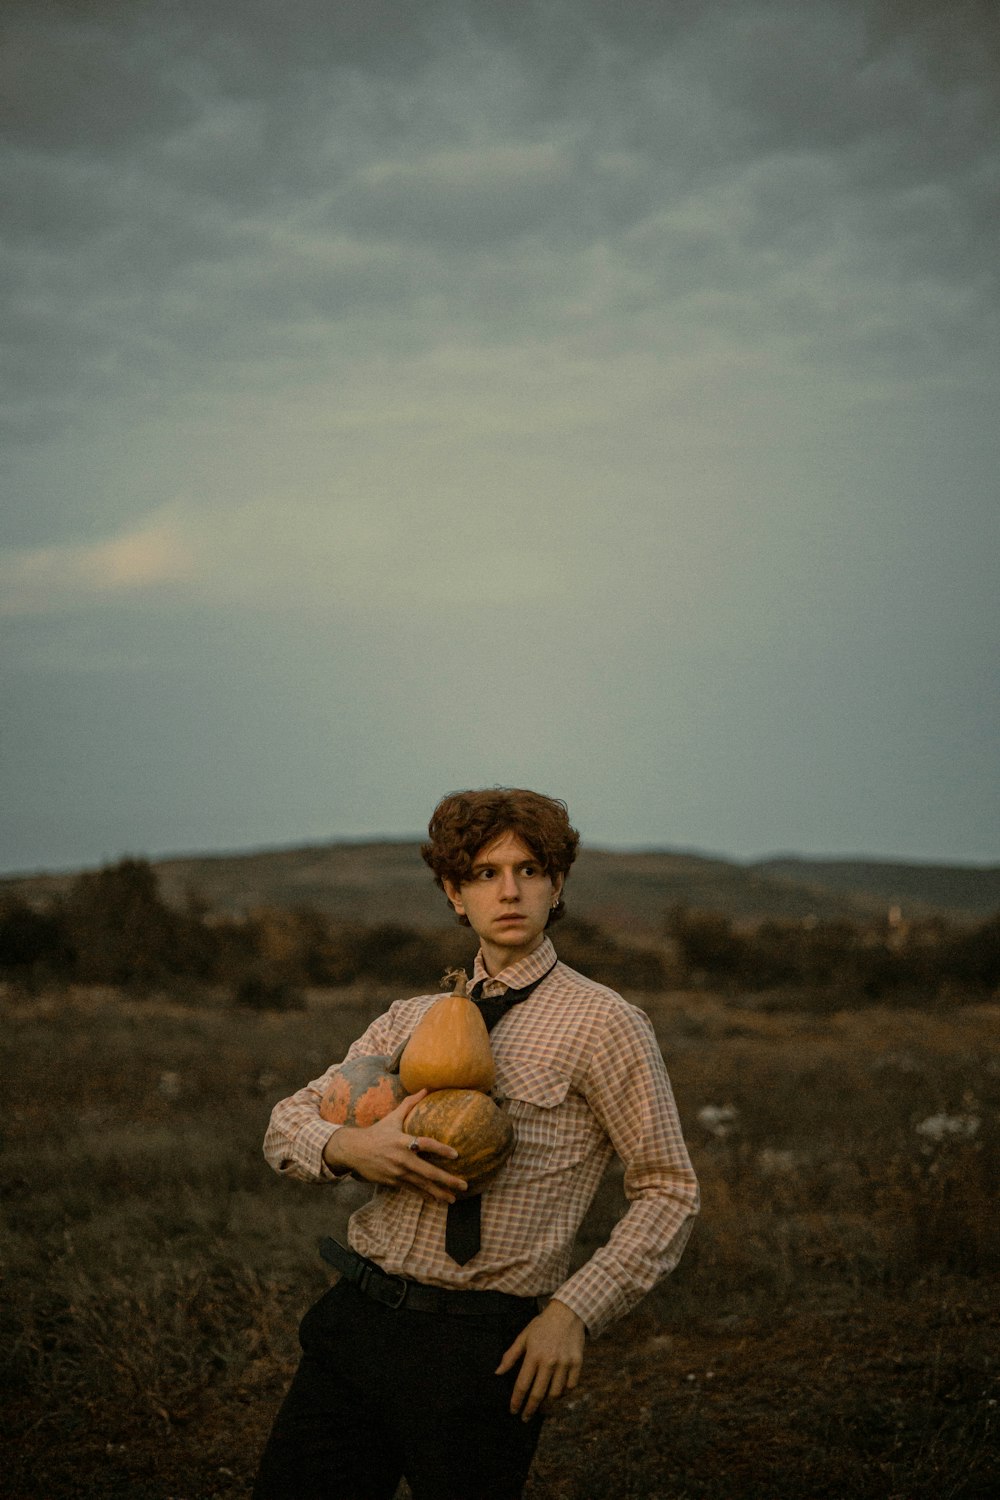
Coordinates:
[450,1046]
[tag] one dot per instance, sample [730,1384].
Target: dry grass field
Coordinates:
[833,1329]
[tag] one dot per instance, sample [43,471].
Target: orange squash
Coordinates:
[364,1090]
[450,1046]
[469,1120]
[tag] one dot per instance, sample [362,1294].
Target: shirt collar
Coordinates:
[516,976]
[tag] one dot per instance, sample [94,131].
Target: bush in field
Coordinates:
[706,943]
[34,945]
[392,954]
[928,956]
[121,931]
[585,946]
[256,992]
[972,959]
[112,927]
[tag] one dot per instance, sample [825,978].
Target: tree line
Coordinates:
[113,927]
[872,960]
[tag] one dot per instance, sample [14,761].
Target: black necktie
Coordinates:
[462,1233]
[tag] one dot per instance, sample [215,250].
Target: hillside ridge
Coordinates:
[627,891]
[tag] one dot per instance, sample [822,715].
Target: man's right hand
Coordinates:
[385,1153]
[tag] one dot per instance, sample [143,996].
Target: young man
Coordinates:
[434,1356]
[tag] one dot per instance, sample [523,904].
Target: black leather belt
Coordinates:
[397,1291]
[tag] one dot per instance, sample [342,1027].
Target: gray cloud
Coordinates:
[711,152]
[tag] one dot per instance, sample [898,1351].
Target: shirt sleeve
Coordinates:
[297,1136]
[629,1091]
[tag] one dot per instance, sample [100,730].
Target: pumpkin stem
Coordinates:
[461,980]
[392,1066]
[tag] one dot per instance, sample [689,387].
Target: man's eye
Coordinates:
[529,869]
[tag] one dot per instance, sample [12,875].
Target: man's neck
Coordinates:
[497,959]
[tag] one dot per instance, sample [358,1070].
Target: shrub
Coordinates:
[123,932]
[34,945]
[840,958]
[257,992]
[585,946]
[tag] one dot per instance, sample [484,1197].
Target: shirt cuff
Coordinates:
[591,1303]
[310,1143]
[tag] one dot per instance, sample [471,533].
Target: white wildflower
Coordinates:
[772,1163]
[944,1127]
[719,1120]
[170,1085]
[898,1062]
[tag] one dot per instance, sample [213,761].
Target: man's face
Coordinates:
[507,899]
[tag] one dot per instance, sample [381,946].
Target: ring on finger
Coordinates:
[414,1145]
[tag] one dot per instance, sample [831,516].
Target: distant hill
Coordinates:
[628,892]
[964,890]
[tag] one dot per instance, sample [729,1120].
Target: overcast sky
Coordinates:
[600,397]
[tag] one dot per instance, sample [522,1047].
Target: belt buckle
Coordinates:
[400,1298]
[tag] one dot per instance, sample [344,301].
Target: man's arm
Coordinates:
[297,1136]
[628,1089]
[385,1153]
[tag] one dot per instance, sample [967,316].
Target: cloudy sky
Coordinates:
[601,397]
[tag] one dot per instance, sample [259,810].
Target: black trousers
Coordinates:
[384,1393]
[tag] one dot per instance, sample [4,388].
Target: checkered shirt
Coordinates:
[581,1076]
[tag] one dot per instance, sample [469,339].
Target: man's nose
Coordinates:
[508,885]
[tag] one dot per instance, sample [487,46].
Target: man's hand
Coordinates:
[552,1349]
[385,1153]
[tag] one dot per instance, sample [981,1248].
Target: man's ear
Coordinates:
[454,894]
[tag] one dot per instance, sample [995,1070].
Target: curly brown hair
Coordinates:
[465,822]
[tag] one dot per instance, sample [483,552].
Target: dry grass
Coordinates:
[832,1329]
